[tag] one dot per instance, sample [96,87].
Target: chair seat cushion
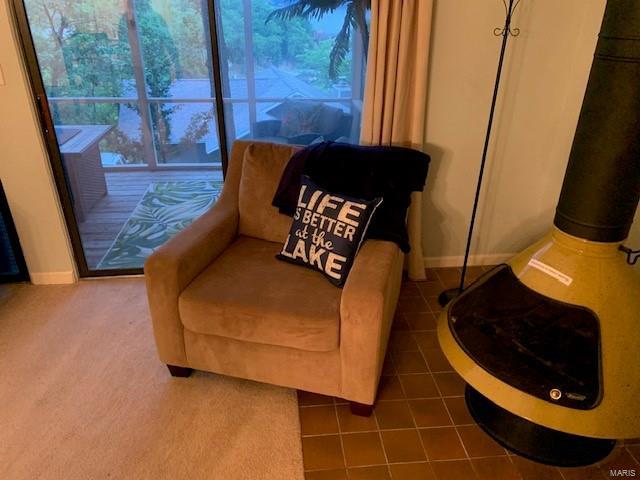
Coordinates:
[246,294]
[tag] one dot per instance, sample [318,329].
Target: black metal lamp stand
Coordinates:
[448,295]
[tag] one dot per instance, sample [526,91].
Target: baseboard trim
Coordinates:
[456,261]
[53,278]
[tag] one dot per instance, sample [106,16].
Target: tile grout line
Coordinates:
[424,358]
[344,456]
[413,462]
[561,474]
[384,450]
[413,418]
[636,457]
[397,430]
[515,466]
[453,423]
[469,459]
[464,447]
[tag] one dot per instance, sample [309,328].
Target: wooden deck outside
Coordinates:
[125,190]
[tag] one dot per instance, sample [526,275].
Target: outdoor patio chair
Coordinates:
[303,122]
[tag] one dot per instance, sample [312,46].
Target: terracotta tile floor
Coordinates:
[420,428]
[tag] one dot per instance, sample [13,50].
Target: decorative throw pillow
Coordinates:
[327,231]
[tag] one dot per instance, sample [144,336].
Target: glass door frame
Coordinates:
[38,91]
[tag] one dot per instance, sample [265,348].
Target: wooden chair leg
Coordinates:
[361,409]
[179,371]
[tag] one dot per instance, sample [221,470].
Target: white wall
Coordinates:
[25,171]
[544,80]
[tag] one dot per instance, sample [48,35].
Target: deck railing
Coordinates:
[151,164]
[144,101]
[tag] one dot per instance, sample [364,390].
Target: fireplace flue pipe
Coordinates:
[602,183]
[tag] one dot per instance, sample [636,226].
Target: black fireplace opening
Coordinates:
[546,348]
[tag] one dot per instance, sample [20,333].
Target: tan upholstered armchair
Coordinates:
[222,303]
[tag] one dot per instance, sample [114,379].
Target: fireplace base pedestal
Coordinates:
[447,295]
[534,441]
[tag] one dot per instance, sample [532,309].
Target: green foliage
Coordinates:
[78,62]
[94,64]
[161,58]
[161,62]
[186,26]
[314,65]
[274,43]
[84,50]
[83,46]
[355,19]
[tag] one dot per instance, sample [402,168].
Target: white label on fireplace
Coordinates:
[543,267]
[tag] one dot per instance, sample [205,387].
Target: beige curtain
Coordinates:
[395,97]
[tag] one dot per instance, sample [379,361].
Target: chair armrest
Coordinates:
[367,308]
[173,266]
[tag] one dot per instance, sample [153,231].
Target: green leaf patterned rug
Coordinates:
[165,209]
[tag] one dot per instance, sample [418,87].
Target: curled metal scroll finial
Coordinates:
[506,29]
[499,32]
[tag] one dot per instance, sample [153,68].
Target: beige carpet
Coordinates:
[83,396]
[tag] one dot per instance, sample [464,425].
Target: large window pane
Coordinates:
[185,133]
[300,74]
[175,48]
[82,47]
[237,120]
[113,128]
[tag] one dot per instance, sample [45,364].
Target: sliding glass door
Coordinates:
[140,101]
[127,93]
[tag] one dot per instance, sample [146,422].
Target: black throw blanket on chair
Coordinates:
[362,172]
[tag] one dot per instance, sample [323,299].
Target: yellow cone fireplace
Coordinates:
[549,344]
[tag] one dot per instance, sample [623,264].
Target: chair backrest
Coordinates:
[257,179]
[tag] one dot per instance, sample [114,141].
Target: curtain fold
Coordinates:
[395,97]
